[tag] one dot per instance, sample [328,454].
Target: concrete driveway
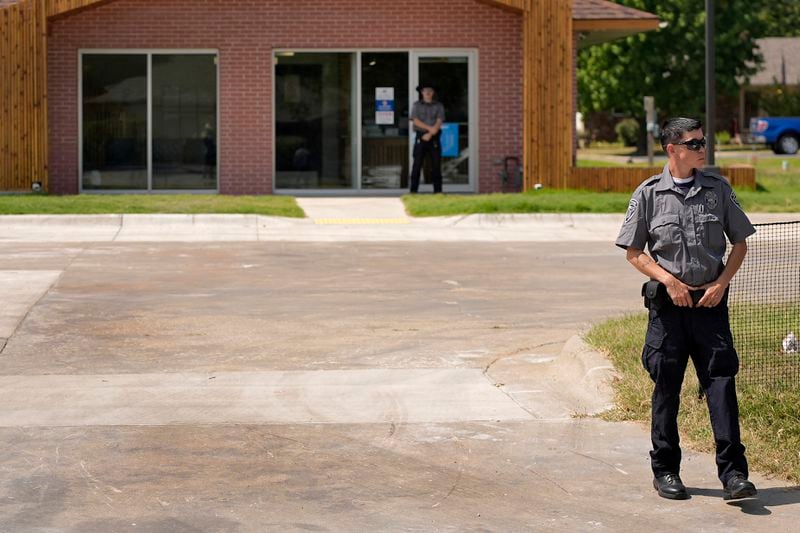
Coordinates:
[323,386]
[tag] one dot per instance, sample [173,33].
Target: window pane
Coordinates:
[314,120]
[114,122]
[384,86]
[184,122]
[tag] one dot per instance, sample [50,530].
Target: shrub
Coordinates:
[627,131]
[723,137]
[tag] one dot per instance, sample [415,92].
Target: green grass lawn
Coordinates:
[544,201]
[93,204]
[777,191]
[769,415]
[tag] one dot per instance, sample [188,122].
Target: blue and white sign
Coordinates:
[449,140]
[384,105]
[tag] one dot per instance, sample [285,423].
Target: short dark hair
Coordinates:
[673,129]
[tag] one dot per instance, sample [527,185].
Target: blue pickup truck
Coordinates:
[782,134]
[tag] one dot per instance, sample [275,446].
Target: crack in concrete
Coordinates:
[39,299]
[519,351]
[499,358]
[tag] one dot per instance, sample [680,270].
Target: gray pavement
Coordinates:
[315,382]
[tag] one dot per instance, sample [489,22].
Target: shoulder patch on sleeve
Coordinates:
[735,200]
[633,207]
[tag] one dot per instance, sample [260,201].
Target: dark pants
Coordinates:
[422,149]
[673,335]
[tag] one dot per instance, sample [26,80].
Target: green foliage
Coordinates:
[781,101]
[781,18]
[723,137]
[669,64]
[627,131]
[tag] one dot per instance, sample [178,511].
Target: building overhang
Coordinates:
[602,31]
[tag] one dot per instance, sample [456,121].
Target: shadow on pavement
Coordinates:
[769,497]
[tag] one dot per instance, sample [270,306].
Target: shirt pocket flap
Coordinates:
[665,220]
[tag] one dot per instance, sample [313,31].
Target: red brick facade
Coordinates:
[245,32]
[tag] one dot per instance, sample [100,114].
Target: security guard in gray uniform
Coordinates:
[683,215]
[427,115]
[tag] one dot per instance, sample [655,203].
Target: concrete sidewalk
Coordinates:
[399,386]
[335,224]
[327,386]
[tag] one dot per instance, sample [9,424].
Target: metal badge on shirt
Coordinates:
[712,200]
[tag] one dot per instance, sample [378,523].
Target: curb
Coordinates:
[591,392]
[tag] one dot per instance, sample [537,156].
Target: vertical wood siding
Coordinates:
[23,101]
[626,179]
[23,90]
[547,79]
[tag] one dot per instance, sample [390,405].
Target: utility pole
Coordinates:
[650,119]
[711,87]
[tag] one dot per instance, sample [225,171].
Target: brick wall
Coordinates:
[245,32]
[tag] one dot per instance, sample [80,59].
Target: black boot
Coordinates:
[738,487]
[670,486]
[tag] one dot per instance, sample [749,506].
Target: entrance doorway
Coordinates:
[342,119]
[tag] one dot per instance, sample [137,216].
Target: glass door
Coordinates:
[453,77]
[315,99]
[384,120]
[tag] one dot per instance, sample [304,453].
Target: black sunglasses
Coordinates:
[693,144]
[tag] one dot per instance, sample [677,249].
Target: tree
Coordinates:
[781,18]
[670,63]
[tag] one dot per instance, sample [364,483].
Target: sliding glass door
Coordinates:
[452,75]
[384,120]
[314,120]
[342,118]
[114,122]
[184,122]
[148,121]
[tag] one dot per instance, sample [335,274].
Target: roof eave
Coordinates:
[597,31]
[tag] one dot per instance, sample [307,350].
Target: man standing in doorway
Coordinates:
[684,215]
[428,118]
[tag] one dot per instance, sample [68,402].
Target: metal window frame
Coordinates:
[149,52]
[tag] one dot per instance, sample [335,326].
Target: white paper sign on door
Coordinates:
[384,105]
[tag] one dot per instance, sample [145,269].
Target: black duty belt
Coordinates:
[656,296]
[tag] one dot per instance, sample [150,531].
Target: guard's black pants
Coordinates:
[673,335]
[422,149]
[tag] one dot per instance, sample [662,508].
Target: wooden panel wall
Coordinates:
[23,89]
[626,179]
[23,98]
[548,113]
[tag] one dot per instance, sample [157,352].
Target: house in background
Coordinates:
[244,97]
[781,69]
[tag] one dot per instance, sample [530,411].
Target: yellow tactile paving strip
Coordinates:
[360,221]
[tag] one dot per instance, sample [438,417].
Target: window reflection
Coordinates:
[314,120]
[184,122]
[114,122]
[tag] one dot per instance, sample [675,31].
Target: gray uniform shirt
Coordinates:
[685,233]
[427,113]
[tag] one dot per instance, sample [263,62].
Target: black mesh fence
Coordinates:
[764,306]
